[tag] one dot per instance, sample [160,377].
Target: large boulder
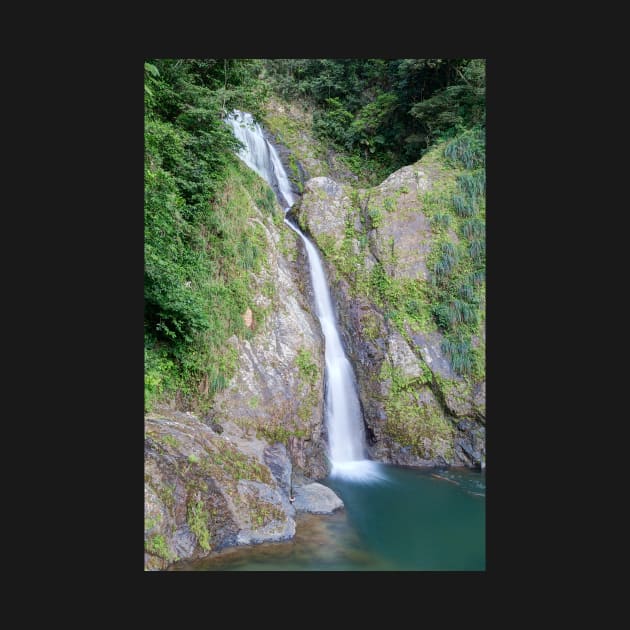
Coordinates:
[316,499]
[205,491]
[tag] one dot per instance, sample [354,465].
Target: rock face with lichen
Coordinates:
[205,491]
[377,245]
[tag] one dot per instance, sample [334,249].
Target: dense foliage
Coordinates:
[390,111]
[198,250]
[459,262]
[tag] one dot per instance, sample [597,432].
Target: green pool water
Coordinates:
[410,520]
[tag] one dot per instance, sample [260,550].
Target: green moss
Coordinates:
[370,326]
[150,523]
[306,365]
[294,174]
[422,427]
[309,374]
[279,433]
[459,390]
[262,513]
[156,545]
[171,441]
[228,460]
[288,243]
[291,132]
[197,519]
[167,495]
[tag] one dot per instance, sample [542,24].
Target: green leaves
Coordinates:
[151,69]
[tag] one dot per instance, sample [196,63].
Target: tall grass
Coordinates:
[449,257]
[441,220]
[477,250]
[267,201]
[473,228]
[460,353]
[467,149]
[459,271]
[473,184]
[467,292]
[464,207]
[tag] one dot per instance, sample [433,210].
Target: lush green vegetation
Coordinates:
[197,519]
[199,248]
[457,288]
[157,546]
[384,113]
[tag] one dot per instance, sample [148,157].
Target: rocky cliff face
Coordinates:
[224,478]
[377,244]
[277,392]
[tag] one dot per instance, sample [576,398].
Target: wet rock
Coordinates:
[429,346]
[277,459]
[402,357]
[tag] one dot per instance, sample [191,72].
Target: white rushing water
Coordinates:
[344,422]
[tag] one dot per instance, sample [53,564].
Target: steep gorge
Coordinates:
[380,245]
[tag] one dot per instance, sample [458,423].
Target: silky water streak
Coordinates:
[344,422]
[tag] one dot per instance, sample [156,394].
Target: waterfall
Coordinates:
[344,422]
